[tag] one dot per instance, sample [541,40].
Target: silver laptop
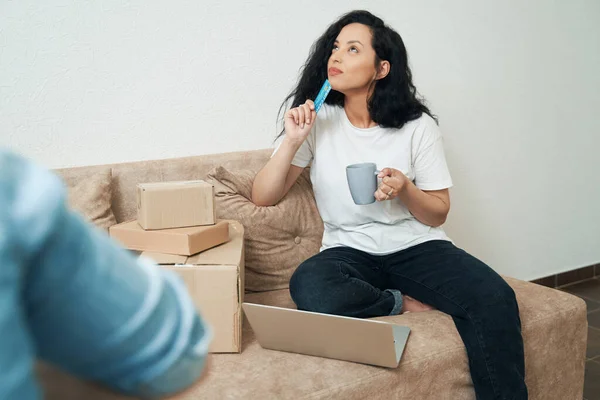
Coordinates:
[352,339]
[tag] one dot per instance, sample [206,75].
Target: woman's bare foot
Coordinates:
[411,305]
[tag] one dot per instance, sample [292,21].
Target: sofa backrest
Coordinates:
[125,176]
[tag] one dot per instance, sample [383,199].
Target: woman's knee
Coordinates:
[312,286]
[504,293]
[495,293]
[301,276]
[303,284]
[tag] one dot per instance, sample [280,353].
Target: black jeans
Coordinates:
[349,282]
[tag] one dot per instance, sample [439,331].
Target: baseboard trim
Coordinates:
[569,277]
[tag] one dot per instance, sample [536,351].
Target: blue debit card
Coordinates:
[325,89]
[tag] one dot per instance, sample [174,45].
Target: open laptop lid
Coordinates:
[330,336]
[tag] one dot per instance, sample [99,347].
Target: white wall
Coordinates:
[516,86]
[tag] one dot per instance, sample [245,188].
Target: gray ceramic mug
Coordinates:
[362,181]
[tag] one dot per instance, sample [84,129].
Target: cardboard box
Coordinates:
[182,241]
[215,280]
[165,205]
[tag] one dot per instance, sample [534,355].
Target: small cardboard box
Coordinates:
[215,281]
[182,241]
[165,205]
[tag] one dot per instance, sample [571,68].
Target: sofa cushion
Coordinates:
[90,195]
[278,238]
[434,364]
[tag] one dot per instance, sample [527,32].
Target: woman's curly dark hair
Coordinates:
[394,100]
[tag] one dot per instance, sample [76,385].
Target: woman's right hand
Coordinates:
[298,121]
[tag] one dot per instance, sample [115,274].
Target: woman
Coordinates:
[372,254]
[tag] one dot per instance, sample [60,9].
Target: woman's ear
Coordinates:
[383,70]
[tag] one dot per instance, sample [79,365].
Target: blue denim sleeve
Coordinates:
[79,301]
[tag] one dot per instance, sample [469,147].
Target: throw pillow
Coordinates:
[278,238]
[90,195]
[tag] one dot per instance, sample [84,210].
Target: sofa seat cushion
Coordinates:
[434,364]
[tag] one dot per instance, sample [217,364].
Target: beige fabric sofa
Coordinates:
[434,365]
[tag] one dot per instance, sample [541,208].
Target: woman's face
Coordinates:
[351,66]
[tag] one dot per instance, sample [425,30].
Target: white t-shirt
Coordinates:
[381,227]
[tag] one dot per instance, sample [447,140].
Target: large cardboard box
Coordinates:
[178,204]
[181,241]
[215,281]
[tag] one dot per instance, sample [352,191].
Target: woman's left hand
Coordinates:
[393,182]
